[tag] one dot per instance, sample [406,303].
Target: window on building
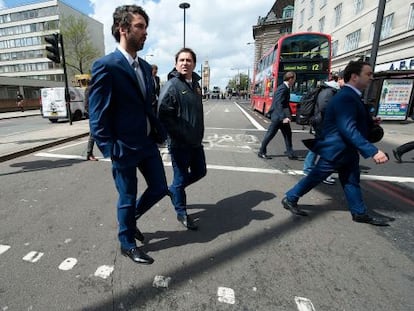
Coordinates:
[358,6]
[309,29]
[352,40]
[311,8]
[386,28]
[323,3]
[301,17]
[322,24]
[287,12]
[338,14]
[335,48]
[411,17]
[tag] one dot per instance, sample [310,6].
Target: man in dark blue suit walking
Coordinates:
[124,125]
[344,137]
[280,116]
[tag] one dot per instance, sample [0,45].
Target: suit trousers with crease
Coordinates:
[129,208]
[271,133]
[349,176]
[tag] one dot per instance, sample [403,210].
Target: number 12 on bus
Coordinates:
[308,54]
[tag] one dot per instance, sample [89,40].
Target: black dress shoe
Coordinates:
[368,219]
[293,207]
[139,236]
[137,256]
[263,156]
[187,222]
[292,156]
[397,156]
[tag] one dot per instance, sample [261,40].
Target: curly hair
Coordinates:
[123,17]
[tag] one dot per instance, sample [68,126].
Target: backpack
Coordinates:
[308,112]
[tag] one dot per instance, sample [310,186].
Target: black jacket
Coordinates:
[180,110]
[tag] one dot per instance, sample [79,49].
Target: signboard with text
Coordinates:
[395,99]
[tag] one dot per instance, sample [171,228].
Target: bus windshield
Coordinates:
[306,46]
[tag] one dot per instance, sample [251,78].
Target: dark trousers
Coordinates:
[189,166]
[405,148]
[89,148]
[272,131]
[349,176]
[129,208]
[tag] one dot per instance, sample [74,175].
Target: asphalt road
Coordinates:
[59,251]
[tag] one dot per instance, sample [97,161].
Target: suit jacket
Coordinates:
[280,108]
[118,111]
[345,128]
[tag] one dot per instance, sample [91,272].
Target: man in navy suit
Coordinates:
[280,116]
[124,126]
[343,138]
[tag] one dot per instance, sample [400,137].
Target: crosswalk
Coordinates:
[67,264]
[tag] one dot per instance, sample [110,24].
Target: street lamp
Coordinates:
[148,55]
[184,6]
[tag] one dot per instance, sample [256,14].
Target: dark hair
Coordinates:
[354,67]
[186,50]
[123,17]
[289,75]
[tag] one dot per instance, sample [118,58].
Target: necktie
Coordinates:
[140,77]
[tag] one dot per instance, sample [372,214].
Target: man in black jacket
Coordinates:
[280,116]
[181,112]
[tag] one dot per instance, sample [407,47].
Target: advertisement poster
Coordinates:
[395,99]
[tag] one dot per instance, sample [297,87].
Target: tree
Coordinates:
[242,86]
[79,49]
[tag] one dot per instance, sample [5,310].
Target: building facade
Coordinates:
[269,29]
[351,25]
[22,44]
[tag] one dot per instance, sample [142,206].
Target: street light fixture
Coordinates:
[148,55]
[184,6]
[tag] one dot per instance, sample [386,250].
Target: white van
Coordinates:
[53,103]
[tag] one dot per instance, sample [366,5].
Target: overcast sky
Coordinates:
[217,30]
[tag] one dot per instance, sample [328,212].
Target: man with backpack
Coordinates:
[320,100]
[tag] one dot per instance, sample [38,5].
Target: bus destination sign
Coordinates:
[300,67]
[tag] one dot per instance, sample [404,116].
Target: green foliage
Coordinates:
[239,84]
[79,49]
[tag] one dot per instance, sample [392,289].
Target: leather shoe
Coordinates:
[263,156]
[137,255]
[293,207]
[187,222]
[397,156]
[368,219]
[139,236]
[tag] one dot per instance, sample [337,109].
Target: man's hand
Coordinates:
[380,157]
[286,120]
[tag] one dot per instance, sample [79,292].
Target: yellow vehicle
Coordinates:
[82,80]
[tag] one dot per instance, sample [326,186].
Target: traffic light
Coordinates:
[53,48]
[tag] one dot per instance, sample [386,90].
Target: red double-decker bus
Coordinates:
[308,54]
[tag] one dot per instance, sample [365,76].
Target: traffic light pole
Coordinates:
[67,95]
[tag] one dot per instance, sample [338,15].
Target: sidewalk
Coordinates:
[20,144]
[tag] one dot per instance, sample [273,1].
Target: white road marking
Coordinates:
[304,304]
[250,118]
[4,248]
[161,281]
[226,295]
[33,256]
[396,179]
[68,264]
[104,271]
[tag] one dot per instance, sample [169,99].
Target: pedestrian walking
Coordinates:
[322,100]
[280,117]
[20,101]
[181,112]
[91,140]
[125,128]
[344,136]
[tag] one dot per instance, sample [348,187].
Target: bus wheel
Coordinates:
[53,120]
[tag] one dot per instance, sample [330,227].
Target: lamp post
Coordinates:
[148,55]
[184,6]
